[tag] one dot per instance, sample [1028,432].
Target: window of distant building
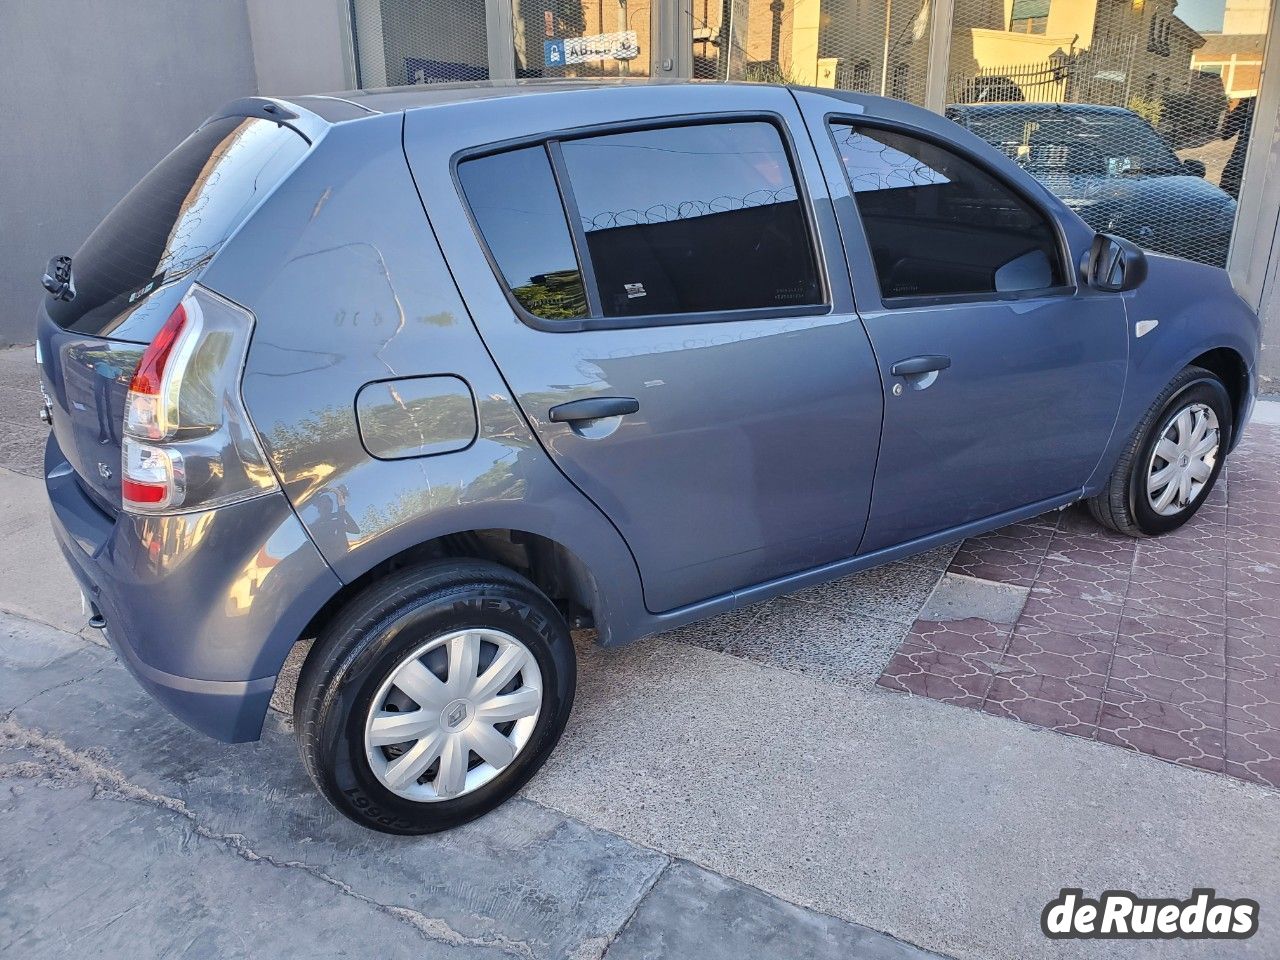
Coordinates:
[898,81]
[1158,35]
[1029,16]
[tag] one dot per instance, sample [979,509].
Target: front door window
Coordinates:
[938,224]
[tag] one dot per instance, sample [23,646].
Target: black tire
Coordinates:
[1122,505]
[378,630]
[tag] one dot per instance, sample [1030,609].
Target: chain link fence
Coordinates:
[441,41]
[419,41]
[582,38]
[872,47]
[1136,112]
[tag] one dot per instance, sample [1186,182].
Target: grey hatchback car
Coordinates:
[431,376]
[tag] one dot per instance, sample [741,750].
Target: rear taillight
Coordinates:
[188,443]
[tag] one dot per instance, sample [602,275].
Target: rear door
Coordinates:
[1002,376]
[132,271]
[668,302]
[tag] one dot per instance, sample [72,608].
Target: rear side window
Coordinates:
[680,220]
[171,224]
[515,201]
[692,220]
[938,224]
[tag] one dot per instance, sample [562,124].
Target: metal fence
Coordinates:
[879,47]
[1162,167]
[1118,107]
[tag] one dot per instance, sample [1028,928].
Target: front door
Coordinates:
[684,340]
[1002,377]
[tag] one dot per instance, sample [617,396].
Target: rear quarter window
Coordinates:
[516,204]
[129,272]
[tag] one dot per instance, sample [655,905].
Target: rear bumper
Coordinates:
[202,608]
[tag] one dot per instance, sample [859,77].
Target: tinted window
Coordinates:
[514,198]
[937,224]
[171,224]
[693,219]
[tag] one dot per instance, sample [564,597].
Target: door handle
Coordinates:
[592,408]
[914,366]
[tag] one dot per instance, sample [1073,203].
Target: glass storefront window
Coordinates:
[582,38]
[1137,113]
[873,46]
[419,41]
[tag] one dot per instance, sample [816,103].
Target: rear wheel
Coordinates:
[1172,461]
[434,695]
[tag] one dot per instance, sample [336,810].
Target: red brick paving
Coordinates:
[1169,646]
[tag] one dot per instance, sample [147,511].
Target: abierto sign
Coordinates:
[600,46]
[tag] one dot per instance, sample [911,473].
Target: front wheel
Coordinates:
[434,695]
[1172,461]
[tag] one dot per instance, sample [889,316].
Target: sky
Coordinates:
[1201,14]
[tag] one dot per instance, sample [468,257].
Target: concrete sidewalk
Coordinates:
[125,835]
[711,798]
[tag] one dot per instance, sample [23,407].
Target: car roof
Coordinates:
[351,103]
[354,104]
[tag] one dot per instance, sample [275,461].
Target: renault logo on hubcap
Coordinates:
[456,713]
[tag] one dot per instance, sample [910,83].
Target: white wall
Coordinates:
[95,93]
[299,46]
[1270,314]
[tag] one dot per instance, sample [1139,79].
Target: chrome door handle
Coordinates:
[592,408]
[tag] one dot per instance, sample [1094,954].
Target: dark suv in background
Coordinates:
[432,375]
[1115,171]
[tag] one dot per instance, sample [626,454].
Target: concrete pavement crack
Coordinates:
[609,941]
[63,764]
[8,714]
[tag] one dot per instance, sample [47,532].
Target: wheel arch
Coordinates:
[554,568]
[1229,366]
[551,566]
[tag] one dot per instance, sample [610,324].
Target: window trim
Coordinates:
[551,140]
[577,236]
[1066,289]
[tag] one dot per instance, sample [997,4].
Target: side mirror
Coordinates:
[1114,264]
[1194,168]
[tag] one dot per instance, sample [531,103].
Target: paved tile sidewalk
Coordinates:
[1169,646]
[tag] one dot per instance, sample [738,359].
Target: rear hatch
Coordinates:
[132,272]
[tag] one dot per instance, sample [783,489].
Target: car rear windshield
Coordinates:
[171,224]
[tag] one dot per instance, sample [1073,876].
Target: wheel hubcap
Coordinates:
[1183,459]
[453,715]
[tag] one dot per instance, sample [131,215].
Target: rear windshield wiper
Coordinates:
[57,279]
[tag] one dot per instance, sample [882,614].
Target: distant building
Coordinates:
[1235,54]
[1123,52]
